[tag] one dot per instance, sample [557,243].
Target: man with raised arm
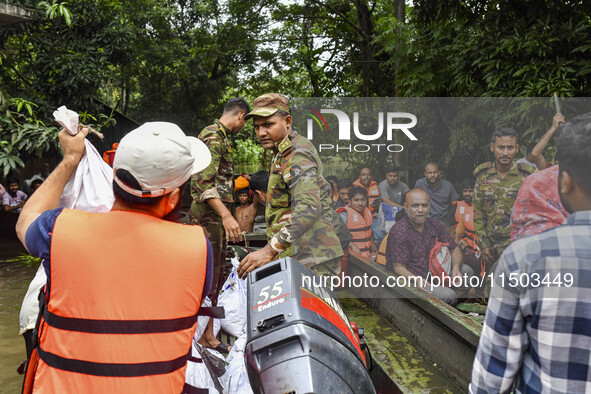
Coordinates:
[122,323]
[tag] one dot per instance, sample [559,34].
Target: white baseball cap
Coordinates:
[160,157]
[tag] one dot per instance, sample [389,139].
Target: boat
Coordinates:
[443,334]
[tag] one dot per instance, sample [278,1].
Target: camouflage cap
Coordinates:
[268,104]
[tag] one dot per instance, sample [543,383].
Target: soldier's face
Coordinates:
[504,149]
[240,122]
[344,194]
[417,207]
[271,129]
[359,202]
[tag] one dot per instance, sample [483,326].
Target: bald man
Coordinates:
[411,240]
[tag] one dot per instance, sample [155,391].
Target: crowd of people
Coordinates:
[160,272]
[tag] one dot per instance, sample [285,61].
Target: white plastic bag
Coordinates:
[89,189]
[238,346]
[67,118]
[236,378]
[30,306]
[233,299]
[199,375]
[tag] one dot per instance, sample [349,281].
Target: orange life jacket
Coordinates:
[465,213]
[381,258]
[360,228]
[122,306]
[373,192]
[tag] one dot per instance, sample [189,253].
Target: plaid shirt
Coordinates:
[538,335]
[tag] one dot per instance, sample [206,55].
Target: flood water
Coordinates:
[14,281]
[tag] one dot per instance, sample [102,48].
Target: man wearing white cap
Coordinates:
[122,323]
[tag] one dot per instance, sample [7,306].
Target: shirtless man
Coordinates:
[246,211]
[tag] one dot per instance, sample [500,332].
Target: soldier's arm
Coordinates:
[203,186]
[203,183]
[480,217]
[306,205]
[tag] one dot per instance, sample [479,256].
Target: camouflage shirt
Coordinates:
[493,200]
[298,210]
[216,180]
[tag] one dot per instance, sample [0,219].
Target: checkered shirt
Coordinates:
[537,336]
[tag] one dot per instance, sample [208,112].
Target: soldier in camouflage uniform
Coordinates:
[298,209]
[495,192]
[212,193]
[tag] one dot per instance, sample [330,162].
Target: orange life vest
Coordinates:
[465,213]
[360,228]
[122,306]
[381,258]
[373,192]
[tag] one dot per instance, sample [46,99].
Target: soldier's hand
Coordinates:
[231,228]
[255,260]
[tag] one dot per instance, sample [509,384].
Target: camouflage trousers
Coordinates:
[214,231]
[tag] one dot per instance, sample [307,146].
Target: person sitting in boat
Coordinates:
[14,198]
[343,187]
[247,210]
[464,229]
[358,219]
[410,242]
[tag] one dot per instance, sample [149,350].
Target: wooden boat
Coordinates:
[442,333]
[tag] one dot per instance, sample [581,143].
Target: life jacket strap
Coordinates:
[118,326]
[112,369]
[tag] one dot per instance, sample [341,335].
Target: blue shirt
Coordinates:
[38,242]
[537,331]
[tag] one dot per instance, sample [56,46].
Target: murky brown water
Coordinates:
[14,281]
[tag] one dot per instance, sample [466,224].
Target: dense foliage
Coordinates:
[180,60]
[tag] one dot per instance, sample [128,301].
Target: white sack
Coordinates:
[30,307]
[233,299]
[235,381]
[91,187]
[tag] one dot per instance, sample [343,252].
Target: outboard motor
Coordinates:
[299,338]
